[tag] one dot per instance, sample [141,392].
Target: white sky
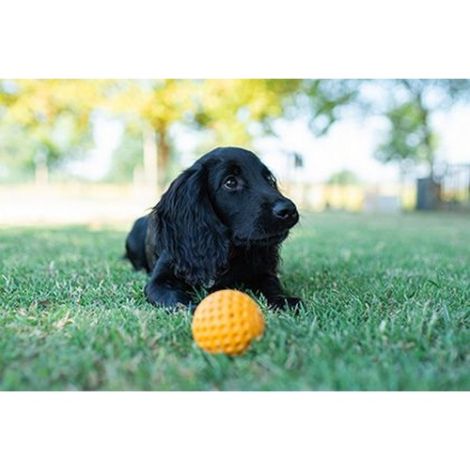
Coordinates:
[349,144]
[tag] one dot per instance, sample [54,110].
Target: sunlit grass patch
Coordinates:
[387,306]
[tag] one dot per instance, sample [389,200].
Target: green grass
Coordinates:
[387,308]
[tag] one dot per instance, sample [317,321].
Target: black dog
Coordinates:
[219,225]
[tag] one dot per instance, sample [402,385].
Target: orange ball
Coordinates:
[226,322]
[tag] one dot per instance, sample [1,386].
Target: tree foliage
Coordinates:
[158,103]
[238,110]
[411,138]
[53,116]
[323,101]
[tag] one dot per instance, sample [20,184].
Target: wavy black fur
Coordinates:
[219,225]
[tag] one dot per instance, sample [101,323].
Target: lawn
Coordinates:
[387,308]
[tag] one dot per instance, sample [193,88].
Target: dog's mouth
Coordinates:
[261,241]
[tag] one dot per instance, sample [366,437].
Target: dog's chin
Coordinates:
[267,240]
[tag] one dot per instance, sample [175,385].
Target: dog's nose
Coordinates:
[284,210]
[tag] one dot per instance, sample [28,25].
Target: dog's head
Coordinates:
[228,198]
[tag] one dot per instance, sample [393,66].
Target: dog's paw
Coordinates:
[281,303]
[171,300]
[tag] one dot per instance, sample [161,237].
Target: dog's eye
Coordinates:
[230,182]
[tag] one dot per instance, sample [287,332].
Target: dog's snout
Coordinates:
[285,210]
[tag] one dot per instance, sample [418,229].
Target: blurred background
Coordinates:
[103,151]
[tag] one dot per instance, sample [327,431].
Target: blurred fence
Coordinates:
[455,186]
[88,203]
[354,198]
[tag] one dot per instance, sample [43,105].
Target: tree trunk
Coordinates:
[430,189]
[163,157]
[150,161]
[429,149]
[156,157]
[41,172]
[427,136]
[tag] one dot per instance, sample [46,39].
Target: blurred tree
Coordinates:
[153,106]
[344,178]
[127,157]
[54,115]
[17,151]
[235,111]
[231,111]
[324,101]
[411,139]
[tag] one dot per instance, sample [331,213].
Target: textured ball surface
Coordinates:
[226,322]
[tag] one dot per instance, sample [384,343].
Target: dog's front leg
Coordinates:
[270,286]
[163,288]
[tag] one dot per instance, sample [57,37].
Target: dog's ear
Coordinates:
[189,230]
